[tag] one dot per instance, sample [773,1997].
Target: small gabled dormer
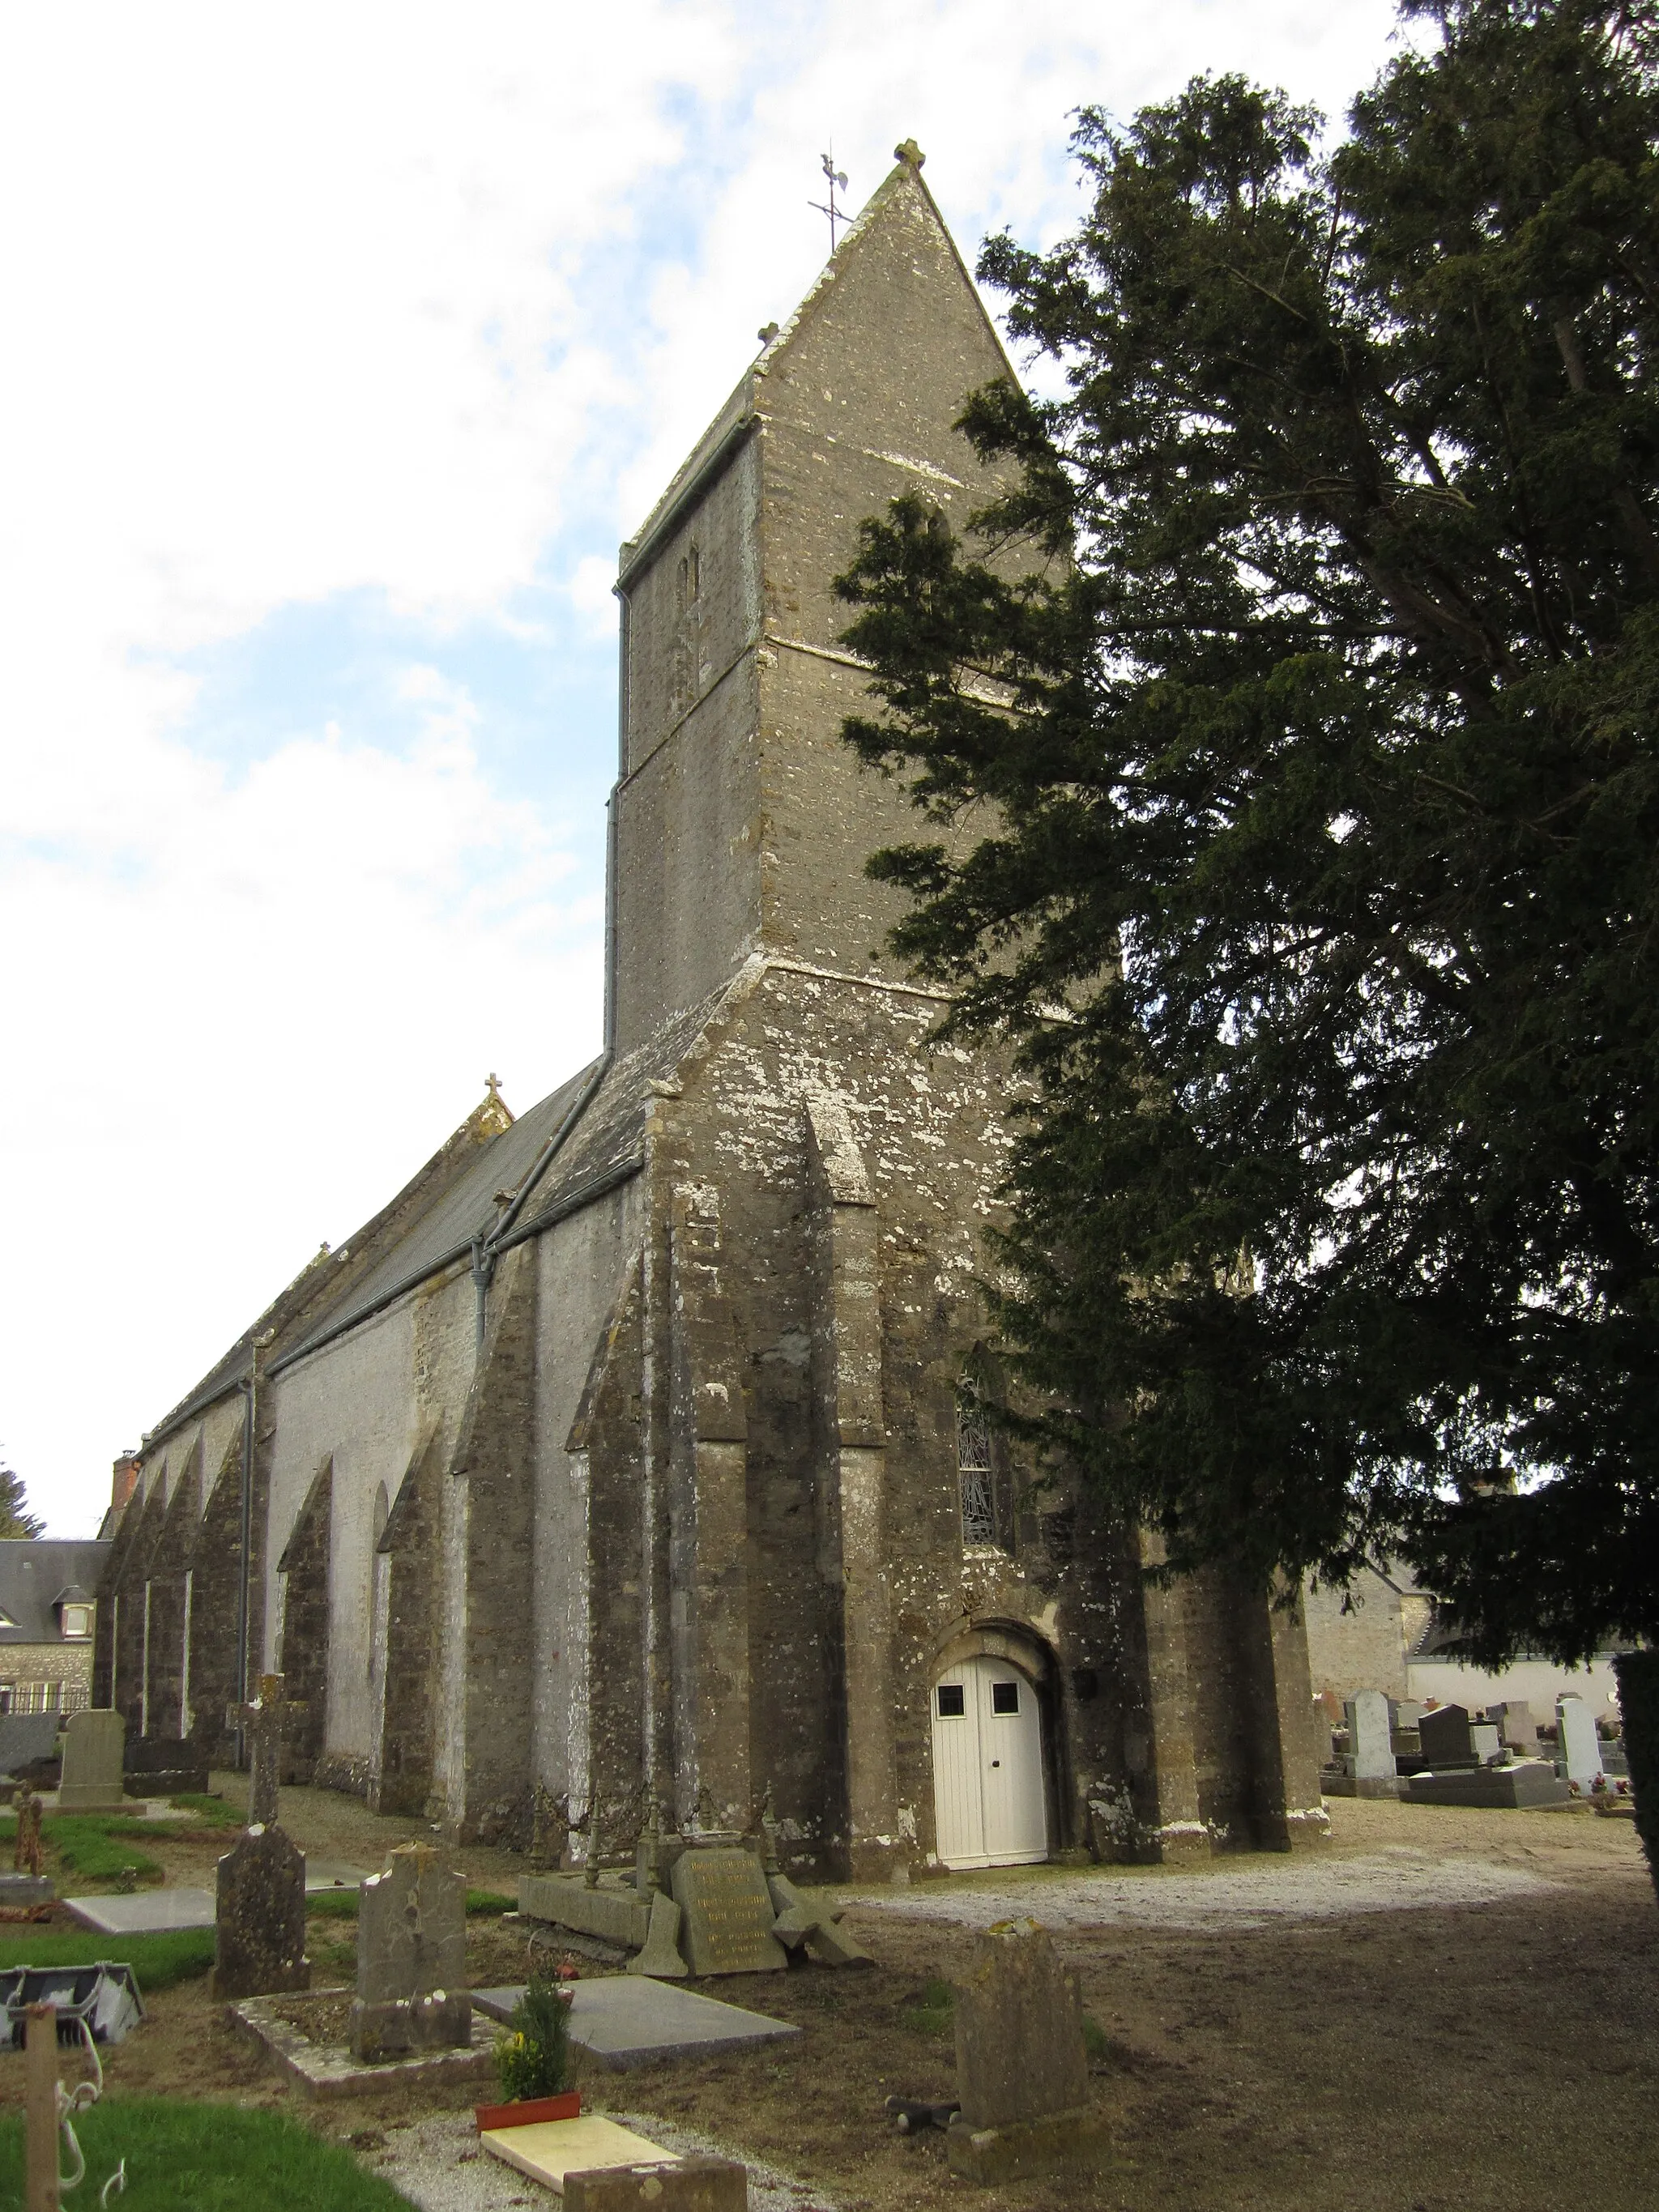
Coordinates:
[72,1610]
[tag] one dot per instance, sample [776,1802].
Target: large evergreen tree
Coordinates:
[1297,719]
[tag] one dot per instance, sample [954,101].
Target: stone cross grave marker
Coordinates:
[1515,1724]
[94,1742]
[411,1958]
[261,1725]
[1579,1745]
[725,1913]
[1372,1744]
[1445,1737]
[259,1917]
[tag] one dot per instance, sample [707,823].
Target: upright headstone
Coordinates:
[1579,1745]
[94,1743]
[1516,1724]
[725,1913]
[1371,1745]
[1021,2068]
[1444,1733]
[411,1958]
[1486,1741]
[259,1919]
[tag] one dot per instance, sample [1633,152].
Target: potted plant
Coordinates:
[534,2062]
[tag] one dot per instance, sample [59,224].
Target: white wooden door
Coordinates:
[989,1804]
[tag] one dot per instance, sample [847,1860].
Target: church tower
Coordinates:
[742,823]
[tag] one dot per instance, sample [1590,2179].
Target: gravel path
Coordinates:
[1247,1894]
[437,2164]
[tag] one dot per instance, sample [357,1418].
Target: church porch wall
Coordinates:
[929,1131]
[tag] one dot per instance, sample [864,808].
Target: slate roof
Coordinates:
[35,1572]
[445,1232]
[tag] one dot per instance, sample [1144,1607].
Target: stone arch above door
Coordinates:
[997,1639]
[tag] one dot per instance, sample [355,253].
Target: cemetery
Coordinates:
[362,2015]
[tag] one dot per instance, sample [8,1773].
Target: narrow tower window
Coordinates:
[976,1475]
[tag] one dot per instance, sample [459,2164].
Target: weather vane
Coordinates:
[837,177]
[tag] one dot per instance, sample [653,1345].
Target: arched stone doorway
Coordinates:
[991,1794]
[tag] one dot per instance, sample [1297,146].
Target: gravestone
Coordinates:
[1444,1735]
[1022,2070]
[260,1917]
[94,1743]
[1515,1724]
[1579,1746]
[165,1767]
[725,1913]
[411,1958]
[1487,1742]
[1371,1745]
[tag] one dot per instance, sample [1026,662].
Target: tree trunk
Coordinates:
[1638,1674]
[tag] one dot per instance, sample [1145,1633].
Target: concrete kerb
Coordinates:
[326,2071]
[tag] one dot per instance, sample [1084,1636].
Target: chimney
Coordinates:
[128,1468]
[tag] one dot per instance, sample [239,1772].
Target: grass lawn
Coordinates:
[207,2158]
[94,1847]
[159,1960]
[342,1904]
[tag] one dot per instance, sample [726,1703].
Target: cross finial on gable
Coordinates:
[909,153]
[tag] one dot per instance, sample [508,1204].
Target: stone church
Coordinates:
[634,1456]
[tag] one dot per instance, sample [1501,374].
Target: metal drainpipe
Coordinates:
[483,1266]
[248,1395]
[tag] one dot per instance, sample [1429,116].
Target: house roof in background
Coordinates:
[38,1572]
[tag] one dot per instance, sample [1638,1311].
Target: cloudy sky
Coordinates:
[345,342]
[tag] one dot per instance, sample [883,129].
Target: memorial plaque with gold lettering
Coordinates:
[725,1914]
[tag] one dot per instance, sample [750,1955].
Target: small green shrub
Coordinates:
[1095,2041]
[532,2059]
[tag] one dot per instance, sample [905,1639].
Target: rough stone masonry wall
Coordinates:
[302,1656]
[494,1469]
[590,1546]
[216,1574]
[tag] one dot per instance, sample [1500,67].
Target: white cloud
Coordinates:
[420,304]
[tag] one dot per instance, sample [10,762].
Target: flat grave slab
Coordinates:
[331,1874]
[548,2150]
[154,1911]
[623,2020]
[145,1913]
[1528,1785]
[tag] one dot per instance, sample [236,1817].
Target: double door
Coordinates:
[989,1803]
